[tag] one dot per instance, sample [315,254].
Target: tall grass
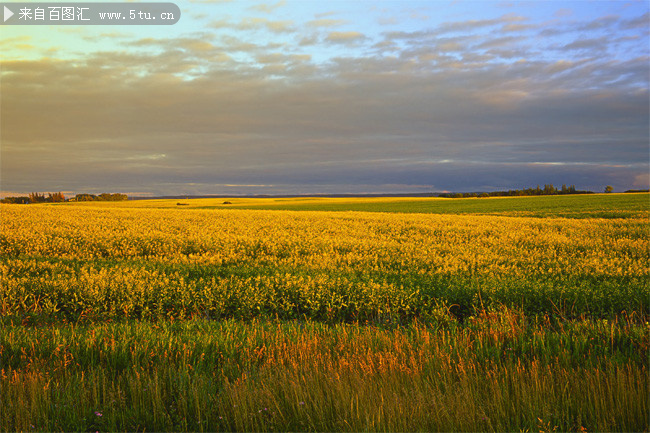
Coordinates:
[496,372]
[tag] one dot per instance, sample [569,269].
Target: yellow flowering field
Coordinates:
[72,261]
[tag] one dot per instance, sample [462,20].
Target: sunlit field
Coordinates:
[327,314]
[567,206]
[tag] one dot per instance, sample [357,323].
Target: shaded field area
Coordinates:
[147,315]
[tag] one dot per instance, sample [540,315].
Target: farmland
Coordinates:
[326,314]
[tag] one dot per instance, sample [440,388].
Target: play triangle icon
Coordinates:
[8,13]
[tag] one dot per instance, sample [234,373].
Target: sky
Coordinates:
[311,97]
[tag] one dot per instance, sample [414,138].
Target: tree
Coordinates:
[609,188]
[549,189]
[84,197]
[57,197]
[35,197]
[15,200]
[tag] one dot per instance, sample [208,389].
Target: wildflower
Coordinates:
[98,414]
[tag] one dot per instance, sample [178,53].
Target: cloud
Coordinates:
[255,24]
[326,14]
[308,40]
[470,25]
[268,8]
[561,66]
[589,44]
[20,44]
[609,25]
[325,22]
[563,12]
[600,23]
[512,28]
[641,181]
[499,42]
[345,37]
[263,23]
[317,131]
[283,58]
[641,22]
[15,40]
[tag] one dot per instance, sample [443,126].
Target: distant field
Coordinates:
[569,206]
[381,314]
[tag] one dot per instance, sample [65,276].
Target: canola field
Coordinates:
[195,315]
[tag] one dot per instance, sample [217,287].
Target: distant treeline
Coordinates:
[58,197]
[547,190]
[100,197]
[35,197]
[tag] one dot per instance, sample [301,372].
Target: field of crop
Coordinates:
[562,206]
[495,314]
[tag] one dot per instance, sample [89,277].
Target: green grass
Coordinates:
[569,206]
[497,372]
